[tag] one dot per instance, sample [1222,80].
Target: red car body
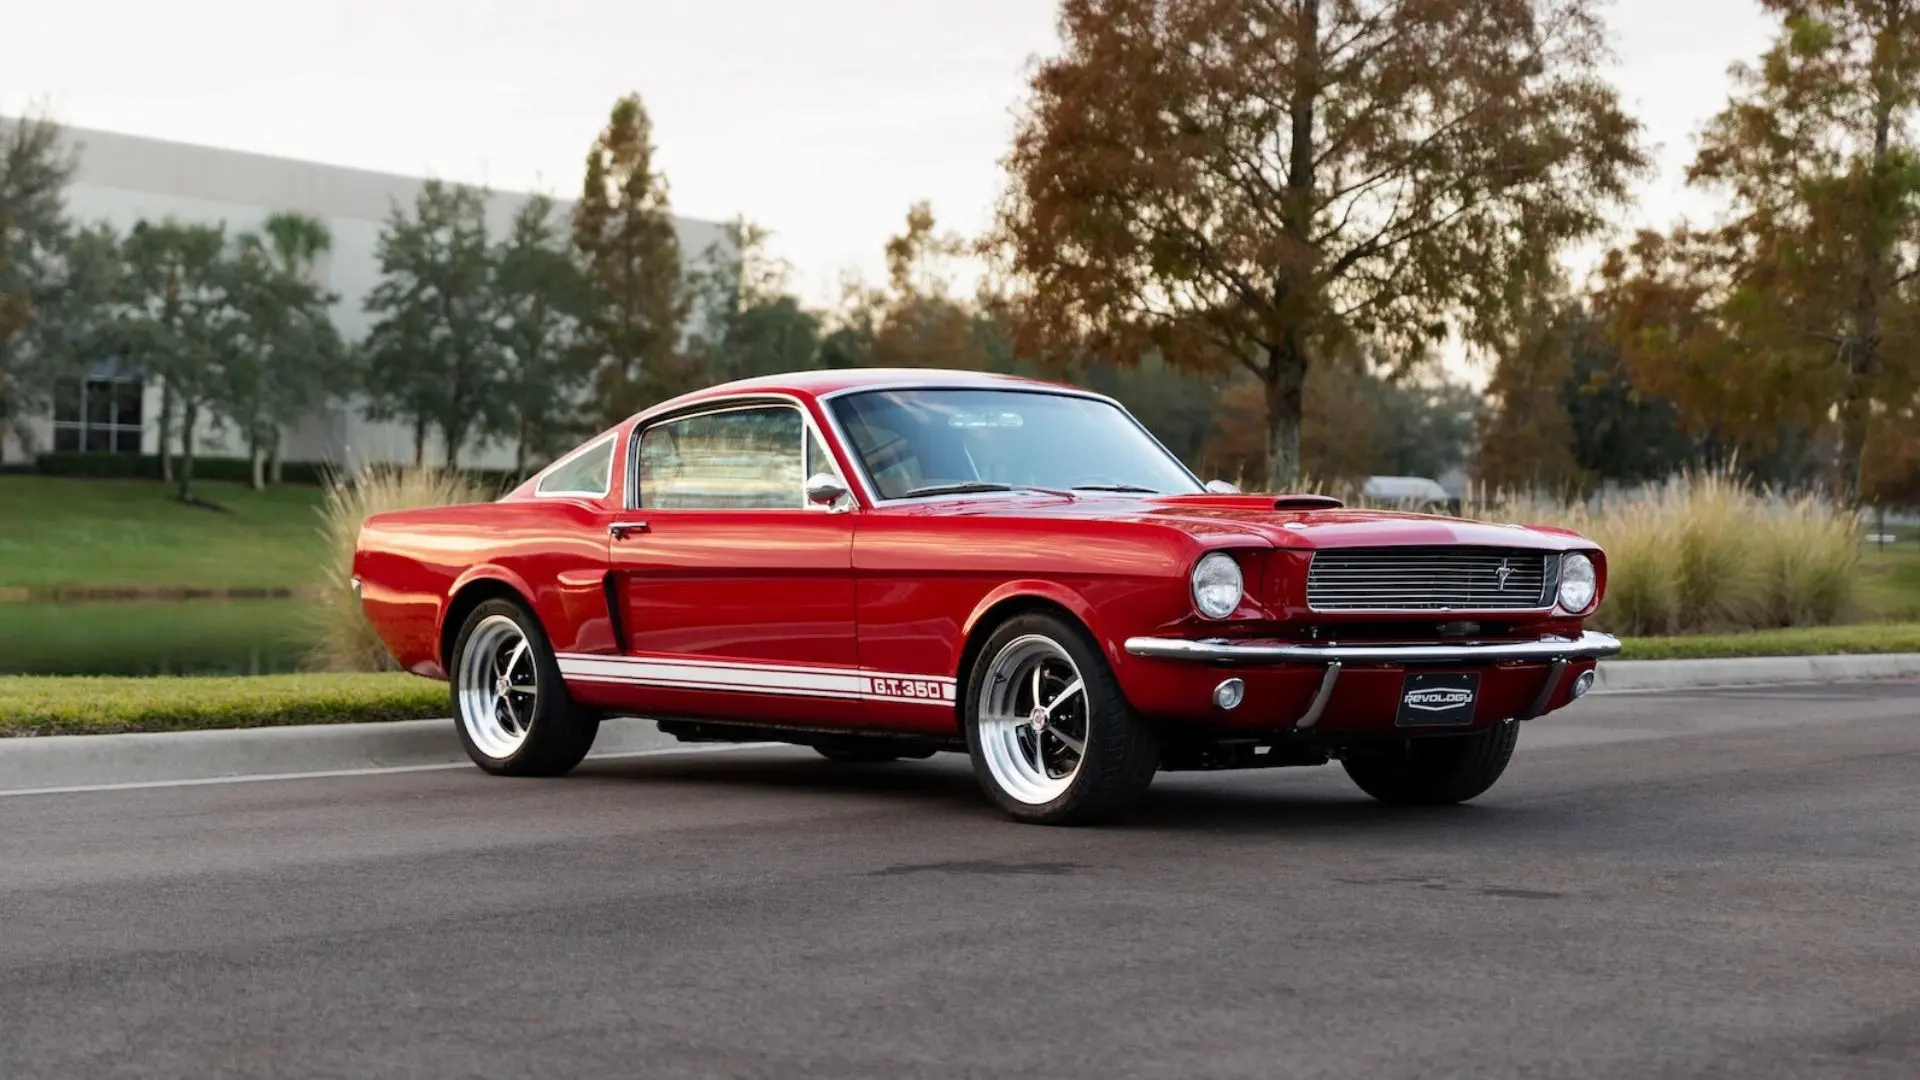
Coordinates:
[867,621]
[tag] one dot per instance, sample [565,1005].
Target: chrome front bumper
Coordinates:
[1556,652]
[1591,645]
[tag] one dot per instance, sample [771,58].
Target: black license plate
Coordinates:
[1438,700]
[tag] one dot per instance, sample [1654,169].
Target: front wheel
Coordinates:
[509,703]
[1437,771]
[1053,740]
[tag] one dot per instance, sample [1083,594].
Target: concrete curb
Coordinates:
[1618,676]
[62,761]
[75,761]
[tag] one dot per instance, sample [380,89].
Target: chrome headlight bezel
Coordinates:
[1579,588]
[1214,578]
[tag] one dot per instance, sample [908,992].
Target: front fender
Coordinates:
[1051,592]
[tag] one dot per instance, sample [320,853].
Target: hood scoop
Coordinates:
[1307,502]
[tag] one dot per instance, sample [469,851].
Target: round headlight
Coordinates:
[1217,585]
[1577,583]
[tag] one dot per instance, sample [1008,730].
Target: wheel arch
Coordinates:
[1010,601]
[474,588]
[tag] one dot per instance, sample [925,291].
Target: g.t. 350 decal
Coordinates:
[913,689]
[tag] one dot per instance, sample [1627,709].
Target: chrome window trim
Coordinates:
[873,492]
[611,440]
[718,407]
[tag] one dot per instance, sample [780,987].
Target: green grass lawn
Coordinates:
[105,706]
[1890,582]
[56,532]
[1893,637]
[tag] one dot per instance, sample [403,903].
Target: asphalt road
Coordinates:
[1703,885]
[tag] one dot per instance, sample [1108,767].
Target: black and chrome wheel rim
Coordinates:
[1033,720]
[499,685]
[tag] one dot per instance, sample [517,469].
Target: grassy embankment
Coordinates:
[32,705]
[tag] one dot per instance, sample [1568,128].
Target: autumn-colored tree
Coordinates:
[1358,423]
[1263,183]
[1800,308]
[623,228]
[921,324]
[1527,438]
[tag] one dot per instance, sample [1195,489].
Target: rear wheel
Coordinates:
[1053,740]
[509,702]
[1437,771]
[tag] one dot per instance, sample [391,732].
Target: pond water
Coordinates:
[199,637]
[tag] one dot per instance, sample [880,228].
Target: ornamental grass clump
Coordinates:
[1705,552]
[338,635]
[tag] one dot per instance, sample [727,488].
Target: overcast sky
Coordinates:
[822,120]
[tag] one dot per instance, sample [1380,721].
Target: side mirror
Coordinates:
[826,489]
[1221,487]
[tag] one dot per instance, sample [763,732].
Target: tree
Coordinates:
[1802,306]
[1527,438]
[34,171]
[747,321]
[540,302]
[433,352]
[1264,184]
[178,311]
[623,228]
[287,356]
[920,324]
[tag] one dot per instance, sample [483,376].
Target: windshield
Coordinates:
[926,442]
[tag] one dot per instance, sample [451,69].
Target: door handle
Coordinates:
[620,530]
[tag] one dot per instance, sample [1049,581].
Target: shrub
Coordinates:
[1706,552]
[339,637]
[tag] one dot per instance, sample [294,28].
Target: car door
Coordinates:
[735,595]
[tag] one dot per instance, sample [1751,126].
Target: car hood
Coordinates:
[1281,521]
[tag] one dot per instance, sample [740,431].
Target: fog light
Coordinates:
[1228,695]
[1582,684]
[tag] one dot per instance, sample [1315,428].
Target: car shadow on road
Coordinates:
[1280,802]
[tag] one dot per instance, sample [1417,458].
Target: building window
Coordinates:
[98,415]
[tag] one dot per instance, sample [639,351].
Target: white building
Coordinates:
[122,179]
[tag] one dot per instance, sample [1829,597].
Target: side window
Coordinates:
[819,460]
[586,473]
[741,459]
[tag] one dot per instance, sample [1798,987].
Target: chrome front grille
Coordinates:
[1430,579]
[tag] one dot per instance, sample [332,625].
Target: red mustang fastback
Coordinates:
[885,564]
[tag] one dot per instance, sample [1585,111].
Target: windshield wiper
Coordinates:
[974,487]
[968,487]
[1134,489]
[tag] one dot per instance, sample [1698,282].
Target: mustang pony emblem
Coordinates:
[1505,572]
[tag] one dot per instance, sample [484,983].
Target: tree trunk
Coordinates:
[166,431]
[454,436]
[1285,377]
[419,442]
[1863,357]
[258,461]
[520,453]
[189,418]
[276,460]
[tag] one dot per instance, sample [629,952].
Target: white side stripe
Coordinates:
[675,673]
